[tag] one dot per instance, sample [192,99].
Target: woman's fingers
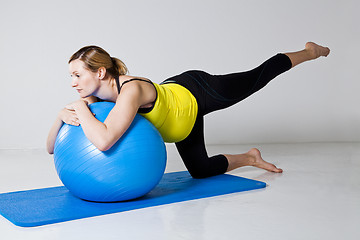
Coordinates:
[74,120]
[69,117]
[75,123]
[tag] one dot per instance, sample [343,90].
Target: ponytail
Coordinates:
[119,66]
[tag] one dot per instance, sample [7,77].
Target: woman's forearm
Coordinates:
[94,130]
[50,143]
[104,135]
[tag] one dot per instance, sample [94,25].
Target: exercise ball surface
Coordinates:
[129,169]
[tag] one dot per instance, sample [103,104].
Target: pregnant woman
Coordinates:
[176,106]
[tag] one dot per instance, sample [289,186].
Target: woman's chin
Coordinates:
[82,95]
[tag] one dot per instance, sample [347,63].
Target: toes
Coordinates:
[327,52]
[275,169]
[271,167]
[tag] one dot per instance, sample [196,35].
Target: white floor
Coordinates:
[317,197]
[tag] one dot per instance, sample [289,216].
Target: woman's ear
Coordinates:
[101,73]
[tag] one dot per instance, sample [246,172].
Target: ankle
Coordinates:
[239,160]
[250,158]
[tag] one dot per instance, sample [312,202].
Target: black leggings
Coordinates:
[215,92]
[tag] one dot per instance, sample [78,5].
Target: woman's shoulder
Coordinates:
[126,78]
[130,82]
[143,86]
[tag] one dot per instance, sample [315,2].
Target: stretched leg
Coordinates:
[222,91]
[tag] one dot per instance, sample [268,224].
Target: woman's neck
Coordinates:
[108,90]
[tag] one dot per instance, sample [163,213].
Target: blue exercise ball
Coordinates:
[129,169]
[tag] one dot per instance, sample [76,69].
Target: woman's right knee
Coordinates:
[198,174]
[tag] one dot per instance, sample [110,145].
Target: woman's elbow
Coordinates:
[103,146]
[50,148]
[104,143]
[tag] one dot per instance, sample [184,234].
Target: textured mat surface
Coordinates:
[53,205]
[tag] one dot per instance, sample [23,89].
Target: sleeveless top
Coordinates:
[174,110]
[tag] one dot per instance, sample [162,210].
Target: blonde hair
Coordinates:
[95,57]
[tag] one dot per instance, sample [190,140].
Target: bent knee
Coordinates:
[198,174]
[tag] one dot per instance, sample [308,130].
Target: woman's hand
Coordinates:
[68,114]
[69,117]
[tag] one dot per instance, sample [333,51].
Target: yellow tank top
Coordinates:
[174,112]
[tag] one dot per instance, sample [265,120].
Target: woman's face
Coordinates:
[83,80]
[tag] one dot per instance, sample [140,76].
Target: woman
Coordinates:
[176,107]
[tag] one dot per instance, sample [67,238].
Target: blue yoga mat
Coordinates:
[53,205]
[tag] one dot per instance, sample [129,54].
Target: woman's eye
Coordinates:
[77,75]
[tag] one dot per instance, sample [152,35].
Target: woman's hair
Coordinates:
[95,57]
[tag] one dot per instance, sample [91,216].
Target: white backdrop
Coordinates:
[316,101]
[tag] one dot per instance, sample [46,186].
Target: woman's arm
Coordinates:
[105,135]
[67,116]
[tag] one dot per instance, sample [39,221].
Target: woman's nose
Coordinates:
[74,82]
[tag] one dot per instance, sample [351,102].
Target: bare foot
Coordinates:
[316,51]
[260,163]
